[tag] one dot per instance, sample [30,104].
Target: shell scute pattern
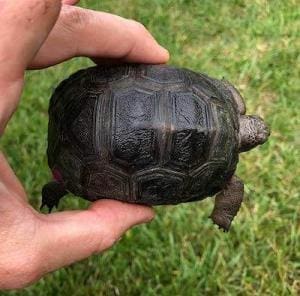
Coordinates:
[145,134]
[101,181]
[134,136]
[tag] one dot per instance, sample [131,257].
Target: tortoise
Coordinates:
[149,134]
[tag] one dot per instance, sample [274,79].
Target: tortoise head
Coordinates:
[253,132]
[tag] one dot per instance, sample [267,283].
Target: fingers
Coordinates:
[71,236]
[82,32]
[24,25]
[9,181]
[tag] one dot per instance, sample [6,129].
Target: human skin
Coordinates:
[35,34]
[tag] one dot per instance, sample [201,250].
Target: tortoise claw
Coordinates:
[50,207]
[222,224]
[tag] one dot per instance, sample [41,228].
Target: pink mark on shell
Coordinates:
[57,175]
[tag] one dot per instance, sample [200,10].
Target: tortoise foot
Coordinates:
[227,203]
[51,195]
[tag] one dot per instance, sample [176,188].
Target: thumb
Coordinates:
[67,237]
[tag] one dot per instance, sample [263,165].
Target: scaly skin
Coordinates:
[228,203]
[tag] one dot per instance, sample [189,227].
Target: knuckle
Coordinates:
[108,242]
[137,27]
[105,236]
[74,18]
[105,240]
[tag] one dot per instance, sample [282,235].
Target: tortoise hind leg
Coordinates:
[227,203]
[51,194]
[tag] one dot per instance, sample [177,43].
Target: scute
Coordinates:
[156,186]
[82,128]
[200,179]
[163,74]
[223,149]
[191,131]
[134,137]
[103,182]
[68,164]
[97,75]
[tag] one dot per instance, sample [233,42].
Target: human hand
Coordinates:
[37,34]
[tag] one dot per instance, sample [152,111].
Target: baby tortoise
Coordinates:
[149,134]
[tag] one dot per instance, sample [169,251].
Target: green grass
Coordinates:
[254,44]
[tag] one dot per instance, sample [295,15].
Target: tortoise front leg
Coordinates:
[227,203]
[51,194]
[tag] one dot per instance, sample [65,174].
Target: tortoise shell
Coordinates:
[149,134]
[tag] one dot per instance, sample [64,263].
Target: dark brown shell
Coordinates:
[143,134]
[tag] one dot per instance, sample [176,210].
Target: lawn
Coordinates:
[255,45]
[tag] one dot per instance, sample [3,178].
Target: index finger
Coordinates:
[83,32]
